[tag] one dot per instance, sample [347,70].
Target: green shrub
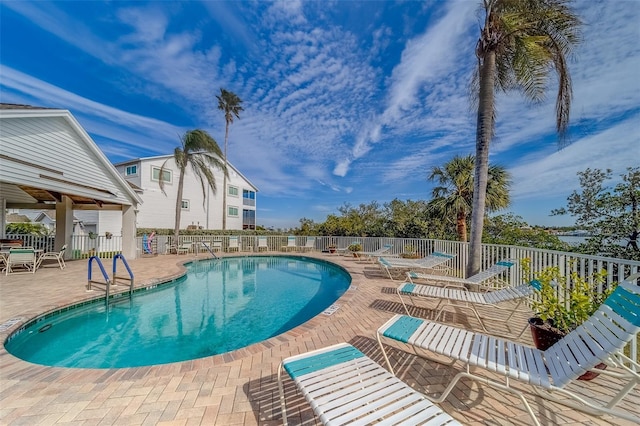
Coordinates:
[567,301]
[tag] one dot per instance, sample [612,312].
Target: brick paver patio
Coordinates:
[240,388]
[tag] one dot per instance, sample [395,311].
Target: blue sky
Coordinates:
[345,101]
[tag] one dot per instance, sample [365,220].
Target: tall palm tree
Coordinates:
[230,103]
[454,196]
[200,151]
[521,41]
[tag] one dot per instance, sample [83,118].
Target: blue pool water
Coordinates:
[220,306]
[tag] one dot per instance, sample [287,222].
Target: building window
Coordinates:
[248,219]
[131,170]
[232,211]
[185,204]
[155,175]
[248,197]
[233,191]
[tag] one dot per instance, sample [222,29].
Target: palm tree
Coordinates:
[454,196]
[520,43]
[200,151]
[230,103]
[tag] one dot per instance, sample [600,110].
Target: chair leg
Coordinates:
[283,403]
[490,383]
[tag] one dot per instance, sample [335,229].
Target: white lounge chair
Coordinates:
[344,250]
[599,339]
[396,265]
[344,386]
[262,244]
[309,245]
[55,255]
[374,255]
[481,278]
[291,244]
[461,297]
[233,244]
[21,260]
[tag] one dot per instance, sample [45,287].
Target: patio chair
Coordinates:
[344,386]
[398,266]
[55,255]
[262,244]
[461,297]
[233,244]
[182,248]
[291,244]
[309,245]
[373,255]
[600,338]
[21,260]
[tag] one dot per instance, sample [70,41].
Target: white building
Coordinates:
[198,211]
[36,146]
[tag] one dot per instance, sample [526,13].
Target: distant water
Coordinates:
[573,240]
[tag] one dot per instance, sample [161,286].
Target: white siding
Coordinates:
[109,221]
[158,209]
[44,147]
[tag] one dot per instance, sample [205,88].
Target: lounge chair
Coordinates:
[262,244]
[344,250]
[373,255]
[481,278]
[599,339]
[461,297]
[55,255]
[397,266]
[233,244]
[344,386]
[309,245]
[21,261]
[291,244]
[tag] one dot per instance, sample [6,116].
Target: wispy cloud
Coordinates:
[556,174]
[103,120]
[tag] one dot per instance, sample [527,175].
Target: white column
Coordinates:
[129,232]
[64,225]
[3,218]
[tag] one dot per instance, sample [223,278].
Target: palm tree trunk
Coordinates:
[224,180]
[461,226]
[176,229]
[484,133]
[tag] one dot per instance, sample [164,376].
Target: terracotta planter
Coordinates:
[544,336]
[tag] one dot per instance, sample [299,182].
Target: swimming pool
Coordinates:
[219,306]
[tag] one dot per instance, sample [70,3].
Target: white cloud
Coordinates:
[555,174]
[102,120]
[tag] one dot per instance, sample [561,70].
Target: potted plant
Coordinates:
[354,248]
[409,252]
[108,235]
[563,303]
[92,235]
